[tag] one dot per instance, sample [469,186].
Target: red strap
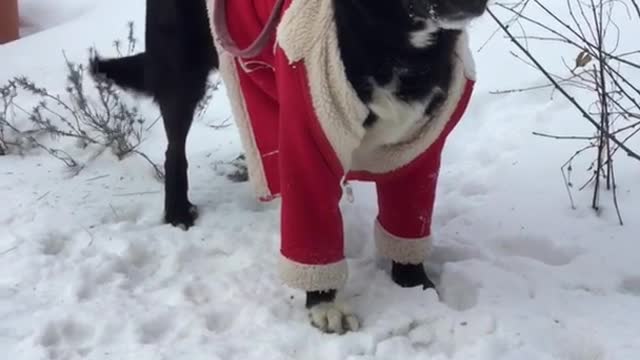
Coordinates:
[224,37]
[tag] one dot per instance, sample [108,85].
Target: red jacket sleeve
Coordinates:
[310,174]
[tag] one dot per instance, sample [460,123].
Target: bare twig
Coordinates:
[8,250]
[105,121]
[599,69]
[584,113]
[564,137]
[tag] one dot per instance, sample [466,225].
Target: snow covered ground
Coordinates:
[88,270]
[39,15]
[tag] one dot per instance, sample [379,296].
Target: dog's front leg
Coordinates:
[328,315]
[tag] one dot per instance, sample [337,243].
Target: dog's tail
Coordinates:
[126,72]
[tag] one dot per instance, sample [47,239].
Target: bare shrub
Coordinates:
[600,67]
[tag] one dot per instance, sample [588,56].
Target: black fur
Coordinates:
[376,46]
[127,72]
[373,37]
[173,70]
[317,297]
[410,275]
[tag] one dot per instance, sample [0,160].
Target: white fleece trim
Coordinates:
[307,32]
[401,250]
[313,277]
[229,74]
[209,5]
[463,52]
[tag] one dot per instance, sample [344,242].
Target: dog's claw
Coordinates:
[333,318]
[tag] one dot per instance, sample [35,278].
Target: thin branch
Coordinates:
[586,115]
[636,6]
[564,137]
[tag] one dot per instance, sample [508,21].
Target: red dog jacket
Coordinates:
[300,123]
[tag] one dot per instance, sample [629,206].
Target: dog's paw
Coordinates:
[331,317]
[240,171]
[183,217]
[410,275]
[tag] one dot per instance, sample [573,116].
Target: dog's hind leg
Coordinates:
[180,54]
[177,110]
[177,113]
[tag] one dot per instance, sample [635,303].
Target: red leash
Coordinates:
[224,37]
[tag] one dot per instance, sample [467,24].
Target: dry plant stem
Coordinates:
[636,6]
[612,72]
[616,96]
[615,195]
[604,143]
[581,36]
[584,113]
[567,186]
[558,137]
[105,120]
[566,169]
[601,90]
[563,38]
[573,80]
[108,122]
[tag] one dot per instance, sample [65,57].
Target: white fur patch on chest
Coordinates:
[396,118]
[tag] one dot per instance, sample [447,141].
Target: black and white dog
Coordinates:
[401,48]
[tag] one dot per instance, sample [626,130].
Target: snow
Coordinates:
[89,270]
[38,15]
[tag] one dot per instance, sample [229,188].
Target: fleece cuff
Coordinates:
[313,277]
[401,250]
